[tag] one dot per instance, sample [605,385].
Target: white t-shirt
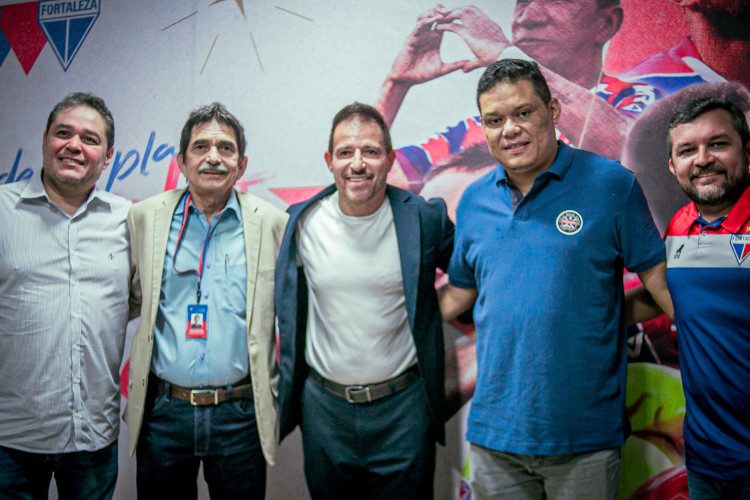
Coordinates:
[357,328]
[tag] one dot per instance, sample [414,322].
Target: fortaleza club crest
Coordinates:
[66,23]
[740,246]
[569,222]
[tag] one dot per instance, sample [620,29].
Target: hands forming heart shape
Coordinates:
[419,61]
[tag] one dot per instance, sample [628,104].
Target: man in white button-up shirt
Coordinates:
[64,274]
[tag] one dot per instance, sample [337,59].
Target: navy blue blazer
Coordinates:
[425,240]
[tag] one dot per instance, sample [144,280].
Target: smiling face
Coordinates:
[556,33]
[709,161]
[74,150]
[520,129]
[360,164]
[212,162]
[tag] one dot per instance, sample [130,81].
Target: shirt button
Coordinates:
[205,295]
[203,355]
[208,265]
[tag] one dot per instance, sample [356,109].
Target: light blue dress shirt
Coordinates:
[221,358]
[63,313]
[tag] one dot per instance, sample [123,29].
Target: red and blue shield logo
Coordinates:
[740,246]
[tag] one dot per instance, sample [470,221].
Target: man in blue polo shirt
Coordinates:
[541,243]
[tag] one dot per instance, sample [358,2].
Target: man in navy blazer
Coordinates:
[361,339]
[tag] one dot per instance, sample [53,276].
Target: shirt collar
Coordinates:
[231,208]
[35,190]
[736,217]
[559,167]
[738,213]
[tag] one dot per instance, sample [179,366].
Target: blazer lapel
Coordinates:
[406,219]
[160,227]
[251,231]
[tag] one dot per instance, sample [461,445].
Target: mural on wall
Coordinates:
[285,67]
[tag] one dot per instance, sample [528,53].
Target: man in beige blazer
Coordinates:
[204,391]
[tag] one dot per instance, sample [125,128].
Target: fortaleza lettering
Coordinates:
[123,164]
[65,7]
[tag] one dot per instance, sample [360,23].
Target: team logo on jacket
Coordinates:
[740,246]
[569,222]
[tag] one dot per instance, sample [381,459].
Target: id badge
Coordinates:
[196,321]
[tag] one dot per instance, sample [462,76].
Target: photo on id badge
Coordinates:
[196,321]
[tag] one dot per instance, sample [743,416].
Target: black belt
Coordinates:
[208,396]
[360,394]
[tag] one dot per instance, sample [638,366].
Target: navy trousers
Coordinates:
[384,449]
[702,487]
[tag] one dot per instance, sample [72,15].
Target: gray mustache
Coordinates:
[221,169]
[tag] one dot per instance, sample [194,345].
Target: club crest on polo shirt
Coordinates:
[740,246]
[569,222]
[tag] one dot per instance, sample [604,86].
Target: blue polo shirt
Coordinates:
[551,341]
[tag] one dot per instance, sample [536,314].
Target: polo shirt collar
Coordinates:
[734,220]
[559,167]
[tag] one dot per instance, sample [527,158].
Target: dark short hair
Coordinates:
[93,102]
[208,113]
[510,71]
[693,109]
[366,113]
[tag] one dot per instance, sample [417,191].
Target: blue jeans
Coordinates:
[176,437]
[384,449]
[499,475]
[702,487]
[81,475]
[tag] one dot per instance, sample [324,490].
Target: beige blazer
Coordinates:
[263,226]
